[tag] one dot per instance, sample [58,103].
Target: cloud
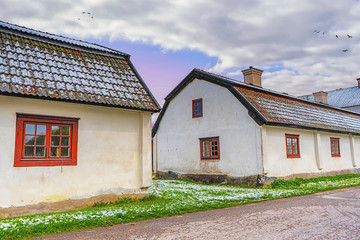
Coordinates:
[263,34]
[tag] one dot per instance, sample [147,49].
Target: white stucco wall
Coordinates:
[277,164]
[114,154]
[177,146]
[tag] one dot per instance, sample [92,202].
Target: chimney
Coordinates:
[252,76]
[358,80]
[320,97]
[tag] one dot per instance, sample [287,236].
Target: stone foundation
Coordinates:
[249,181]
[209,178]
[62,206]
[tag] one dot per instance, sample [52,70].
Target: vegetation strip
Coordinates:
[168,197]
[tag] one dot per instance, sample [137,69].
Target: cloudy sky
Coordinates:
[168,38]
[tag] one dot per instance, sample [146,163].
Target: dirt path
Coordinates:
[327,215]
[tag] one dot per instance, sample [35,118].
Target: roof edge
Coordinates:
[144,84]
[77,102]
[310,128]
[55,39]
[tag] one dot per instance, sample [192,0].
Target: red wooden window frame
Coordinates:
[213,146]
[194,102]
[294,139]
[336,143]
[22,120]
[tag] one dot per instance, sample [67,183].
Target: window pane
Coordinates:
[335,147]
[41,129]
[40,140]
[55,141]
[29,128]
[65,141]
[55,151]
[40,151]
[65,152]
[289,146]
[206,150]
[65,131]
[295,147]
[197,108]
[29,140]
[55,130]
[29,152]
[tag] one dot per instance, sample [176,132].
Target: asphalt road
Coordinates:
[327,215]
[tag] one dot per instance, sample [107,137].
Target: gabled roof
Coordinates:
[343,97]
[277,109]
[46,66]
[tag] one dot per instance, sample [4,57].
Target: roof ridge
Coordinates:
[248,85]
[58,37]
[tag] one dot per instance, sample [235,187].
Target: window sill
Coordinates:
[44,163]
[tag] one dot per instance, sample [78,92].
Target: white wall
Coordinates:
[277,164]
[113,154]
[176,143]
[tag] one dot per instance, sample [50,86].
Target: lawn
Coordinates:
[168,197]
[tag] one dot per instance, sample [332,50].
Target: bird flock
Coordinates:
[336,35]
[87,14]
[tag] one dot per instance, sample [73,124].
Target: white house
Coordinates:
[75,120]
[221,130]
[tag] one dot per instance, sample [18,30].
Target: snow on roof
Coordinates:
[45,69]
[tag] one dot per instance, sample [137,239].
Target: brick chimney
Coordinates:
[358,80]
[320,97]
[252,76]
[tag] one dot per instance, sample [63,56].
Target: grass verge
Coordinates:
[168,197]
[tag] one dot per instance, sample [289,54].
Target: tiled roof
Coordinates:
[44,65]
[283,110]
[343,97]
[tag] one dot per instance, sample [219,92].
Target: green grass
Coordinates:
[168,197]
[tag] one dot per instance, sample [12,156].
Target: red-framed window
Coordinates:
[197,108]
[210,148]
[292,146]
[335,147]
[45,140]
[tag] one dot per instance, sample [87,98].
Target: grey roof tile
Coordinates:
[283,110]
[343,97]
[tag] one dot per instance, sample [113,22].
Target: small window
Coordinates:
[210,148]
[335,147]
[197,109]
[45,141]
[292,146]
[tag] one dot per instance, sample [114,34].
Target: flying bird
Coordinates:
[316,31]
[345,50]
[336,36]
[349,36]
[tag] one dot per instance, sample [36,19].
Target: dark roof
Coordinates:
[277,109]
[47,66]
[343,97]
